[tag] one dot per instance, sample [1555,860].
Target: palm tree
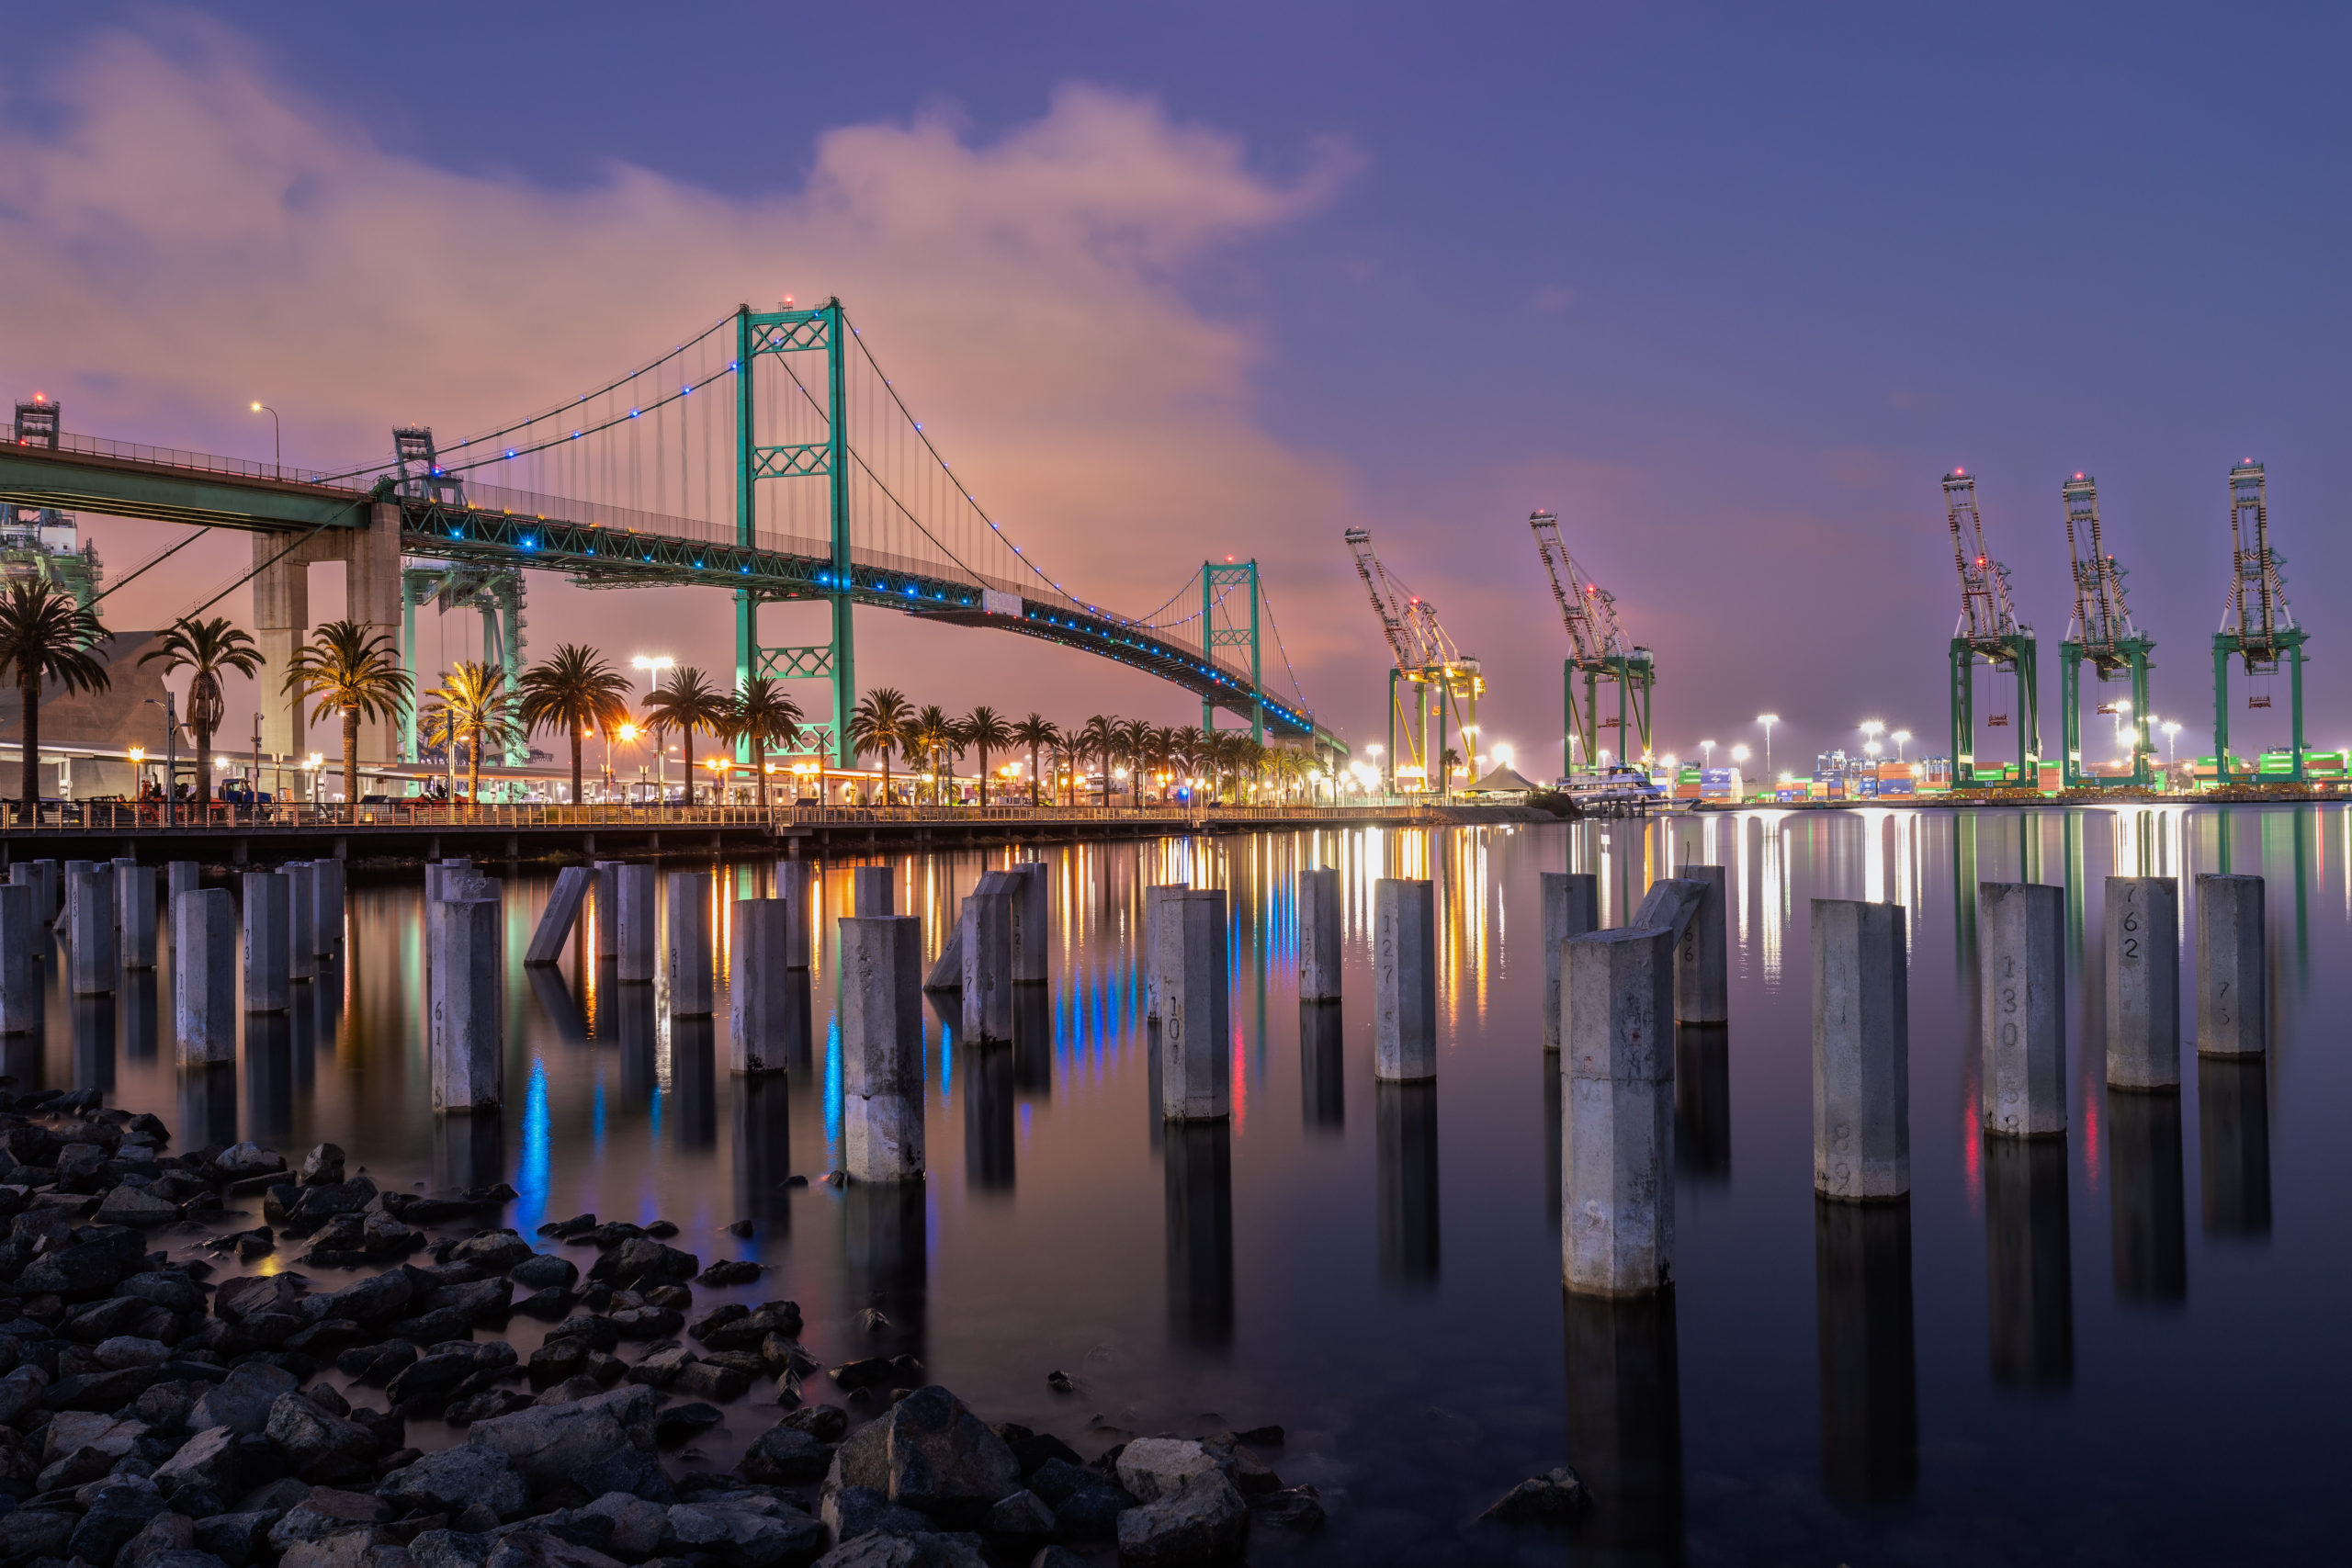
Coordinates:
[46,635]
[685,703]
[1184,750]
[1447,761]
[762,713]
[935,737]
[985,731]
[1134,741]
[1070,754]
[1163,755]
[1101,736]
[575,691]
[1039,734]
[208,647]
[472,704]
[880,724]
[353,672]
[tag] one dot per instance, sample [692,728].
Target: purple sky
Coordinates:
[1728,288]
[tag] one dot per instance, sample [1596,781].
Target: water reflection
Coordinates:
[693,1068]
[639,1031]
[886,1274]
[94,1042]
[556,1003]
[270,1076]
[139,1021]
[1032,1041]
[987,1117]
[2148,1209]
[762,1129]
[1407,1182]
[2234,1144]
[1870,1412]
[467,1151]
[1322,1070]
[1198,1157]
[1702,1101]
[2030,1288]
[1625,1404]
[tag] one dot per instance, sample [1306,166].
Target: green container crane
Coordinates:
[1988,632]
[2257,628]
[1439,680]
[2102,635]
[1599,656]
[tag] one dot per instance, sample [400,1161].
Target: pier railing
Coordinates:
[116,817]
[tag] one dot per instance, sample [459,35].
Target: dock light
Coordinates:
[1767,720]
[1739,753]
[626,733]
[1901,737]
[1706,753]
[276,453]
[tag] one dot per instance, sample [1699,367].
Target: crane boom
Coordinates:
[1389,602]
[2102,616]
[2256,613]
[1986,619]
[1589,612]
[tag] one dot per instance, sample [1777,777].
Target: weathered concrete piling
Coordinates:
[435,872]
[1321,919]
[41,875]
[2019,928]
[608,909]
[693,982]
[2232,986]
[989,936]
[326,906]
[134,914]
[301,918]
[1862,1051]
[181,876]
[1195,1044]
[882,1130]
[204,974]
[90,932]
[468,1045]
[20,938]
[1153,896]
[1032,924]
[1703,956]
[767,999]
[871,890]
[1571,906]
[67,872]
[638,939]
[1617,1138]
[2143,981]
[1404,970]
[266,985]
[564,902]
[792,890]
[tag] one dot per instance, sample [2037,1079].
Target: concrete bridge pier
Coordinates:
[370,557]
[882,1126]
[204,976]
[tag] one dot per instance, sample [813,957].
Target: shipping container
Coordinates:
[1896,786]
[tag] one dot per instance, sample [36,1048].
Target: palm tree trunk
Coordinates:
[686,743]
[473,770]
[29,693]
[575,764]
[1033,778]
[886,775]
[203,776]
[759,768]
[984,776]
[351,756]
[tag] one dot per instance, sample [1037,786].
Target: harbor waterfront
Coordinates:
[2089,1327]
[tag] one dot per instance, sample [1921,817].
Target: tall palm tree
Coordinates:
[1163,755]
[1184,750]
[1039,734]
[936,738]
[574,690]
[46,635]
[473,705]
[1135,744]
[879,726]
[1447,761]
[353,672]
[986,731]
[688,701]
[1101,736]
[762,714]
[1070,755]
[208,647]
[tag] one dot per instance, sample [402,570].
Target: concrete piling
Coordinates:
[1320,922]
[134,914]
[563,911]
[90,932]
[181,876]
[1031,923]
[2143,981]
[990,918]
[1404,968]
[114,890]
[871,888]
[1617,1154]
[1571,906]
[767,999]
[881,1010]
[1195,1044]
[301,918]
[1703,956]
[204,976]
[608,909]
[692,984]
[792,887]
[1153,898]
[2019,929]
[326,906]
[268,988]
[1862,1051]
[946,971]
[20,936]
[435,872]
[469,1055]
[637,939]
[2232,1000]
[68,871]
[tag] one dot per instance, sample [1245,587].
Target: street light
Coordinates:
[1706,753]
[1902,737]
[1767,720]
[2171,730]
[277,450]
[653,667]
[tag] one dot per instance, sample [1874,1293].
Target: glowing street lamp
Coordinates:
[277,450]
[1767,720]
[1706,753]
[1901,737]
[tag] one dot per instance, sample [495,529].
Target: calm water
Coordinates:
[2128,1349]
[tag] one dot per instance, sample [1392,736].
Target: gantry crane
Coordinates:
[2101,635]
[1989,631]
[1440,678]
[1598,653]
[2257,628]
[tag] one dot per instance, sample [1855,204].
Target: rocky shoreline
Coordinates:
[162,1413]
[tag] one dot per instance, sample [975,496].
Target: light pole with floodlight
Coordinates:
[276,446]
[1767,720]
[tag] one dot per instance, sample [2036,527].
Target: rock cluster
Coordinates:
[150,1418]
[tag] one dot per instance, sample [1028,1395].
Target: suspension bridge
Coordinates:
[767,456]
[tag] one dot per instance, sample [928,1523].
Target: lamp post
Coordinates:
[653,667]
[1901,737]
[1767,720]
[277,447]
[1706,754]
[2171,729]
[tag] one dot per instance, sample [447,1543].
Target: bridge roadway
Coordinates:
[407,835]
[115,479]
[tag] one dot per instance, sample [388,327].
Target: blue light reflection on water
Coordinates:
[532,1161]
